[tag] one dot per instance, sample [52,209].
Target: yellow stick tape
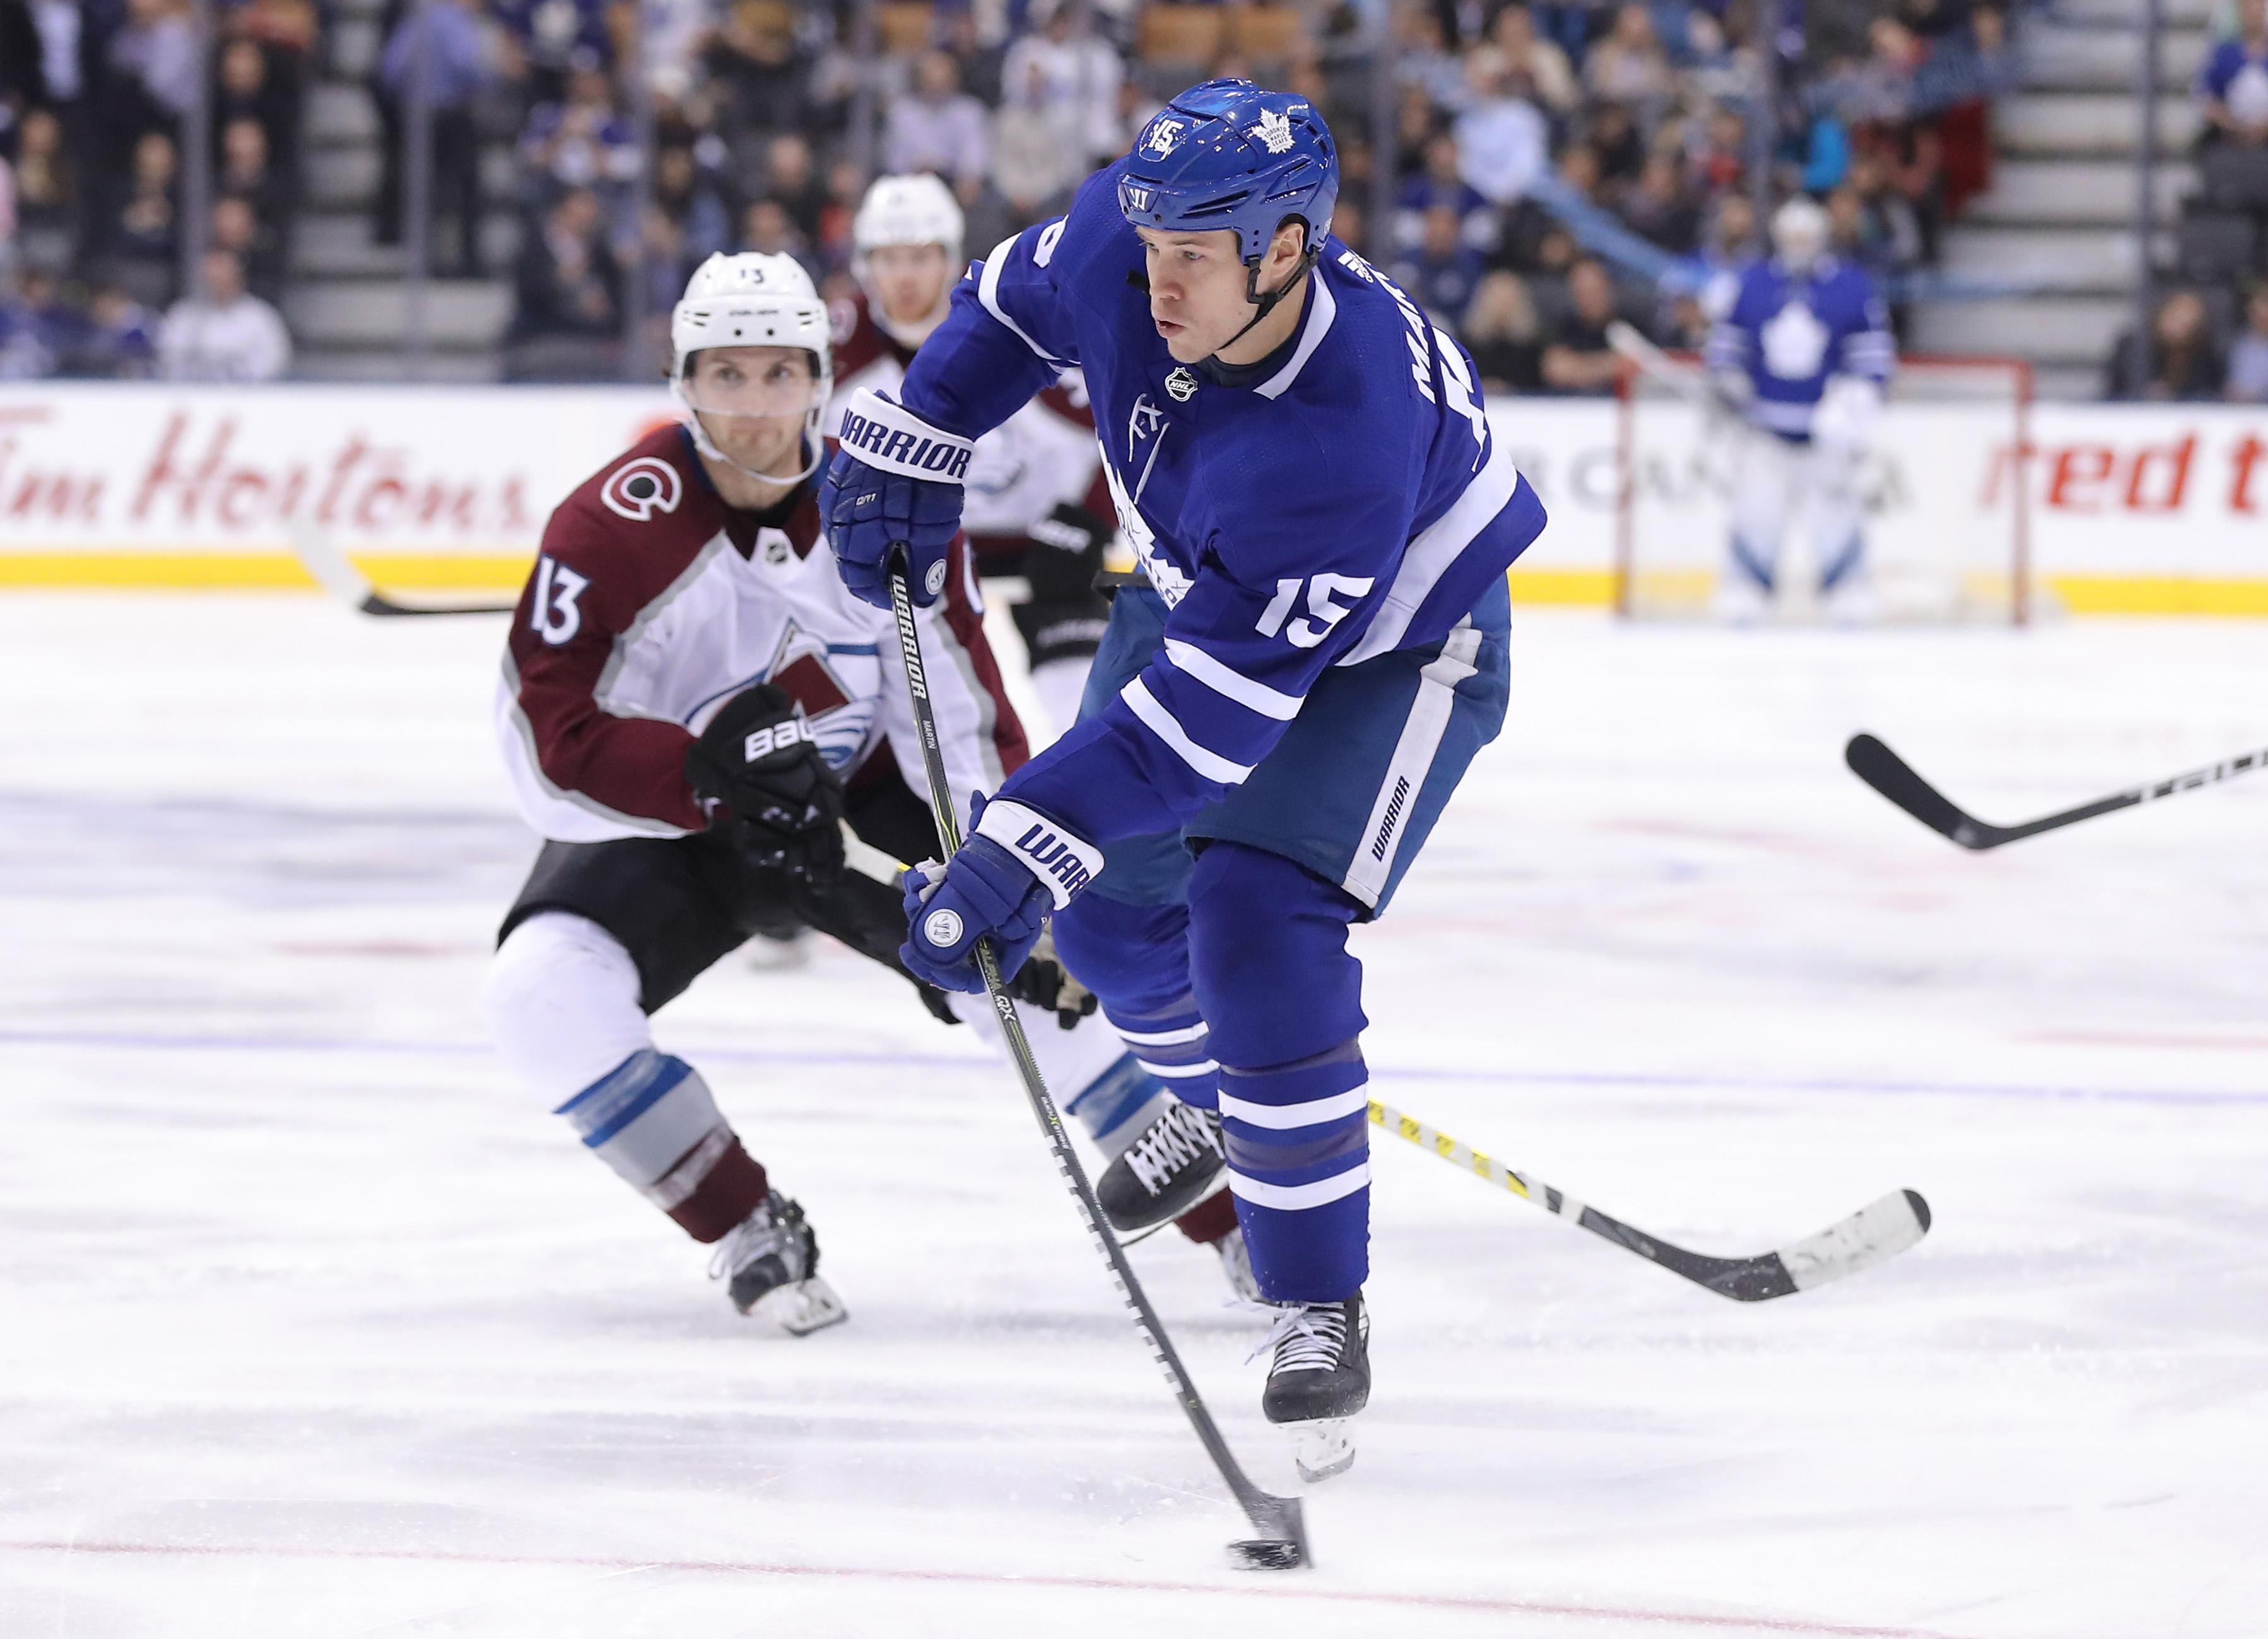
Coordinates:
[1449,1149]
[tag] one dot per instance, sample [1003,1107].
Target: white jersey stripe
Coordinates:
[1322,307]
[1232,684]
[1293,1197]
[1413,759]
[1429,556]
[1162,723]
[988,292]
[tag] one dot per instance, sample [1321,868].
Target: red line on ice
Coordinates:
[878,1573]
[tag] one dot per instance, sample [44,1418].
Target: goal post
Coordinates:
[1944,487]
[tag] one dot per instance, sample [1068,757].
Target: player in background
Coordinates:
[1036,505]
[1802,354]
[691,707]
[1274,724]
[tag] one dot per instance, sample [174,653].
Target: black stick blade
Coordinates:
[1886,772]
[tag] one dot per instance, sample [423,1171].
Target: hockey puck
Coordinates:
[1266,1553]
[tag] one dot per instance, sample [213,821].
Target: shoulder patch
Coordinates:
[642,486]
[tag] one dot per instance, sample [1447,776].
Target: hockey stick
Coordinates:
[349,585]
[1870,1236]
[1283,1542]
[1887,773]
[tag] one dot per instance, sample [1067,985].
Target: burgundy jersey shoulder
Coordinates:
[632,527]
[858,341]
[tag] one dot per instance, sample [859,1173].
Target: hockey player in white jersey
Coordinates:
[1038,511]
[1801,355]
[692,709]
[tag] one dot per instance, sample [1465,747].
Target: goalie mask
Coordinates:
[1799,232]
[753,300]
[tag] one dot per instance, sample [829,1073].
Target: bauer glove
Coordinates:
[895,480]
[758,758]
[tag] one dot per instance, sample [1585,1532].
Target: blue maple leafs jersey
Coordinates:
[1790,332]
[1349,502]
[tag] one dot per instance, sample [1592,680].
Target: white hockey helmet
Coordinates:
[1799,232]
[753,300]
[916,209]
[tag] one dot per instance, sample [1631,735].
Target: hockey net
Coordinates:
[1943,490]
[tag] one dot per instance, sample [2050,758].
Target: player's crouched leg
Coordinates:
[1267,954]
[562,998]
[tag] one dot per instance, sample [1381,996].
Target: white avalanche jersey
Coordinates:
[653,603]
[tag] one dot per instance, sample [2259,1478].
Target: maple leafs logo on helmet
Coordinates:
[1165,136]
[1274,131]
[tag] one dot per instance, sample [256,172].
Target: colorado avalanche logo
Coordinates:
[1165,136]
[637,489]
[1274,131]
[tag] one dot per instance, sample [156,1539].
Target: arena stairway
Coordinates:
[2059,221]
[346,302]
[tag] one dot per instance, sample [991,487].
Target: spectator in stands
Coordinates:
[1610,132]
[141,241]
[764,81]
[1439,188]
[246,173]
[1629,65]
[690,198]
[224,333]
[1579,359]
[249,87]
[939,127]
[448,39]
[120,341]
[766,226]
[1075,77]
[2233,86]
[153,67]
[1543,64]
[2247,360]
[256,244]
[791,178]
[1442,271]
[1503,143]
[552,37]
[2179,363]
[1037,154]
[34,328]
[1501,331]
[567,316]
[1656,209]
[48,196]
[581,141]
[1429,74]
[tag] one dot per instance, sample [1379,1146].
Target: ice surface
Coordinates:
[311,1325]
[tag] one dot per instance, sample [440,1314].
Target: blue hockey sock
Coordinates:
[1298,1137]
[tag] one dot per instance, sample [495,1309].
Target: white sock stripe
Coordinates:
[1308,1113]
[1294,1197]
[1163,1037]
[1178,1072]
[1162,723]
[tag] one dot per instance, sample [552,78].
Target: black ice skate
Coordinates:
[770,1263]
[1165,1171]
[1319,1379]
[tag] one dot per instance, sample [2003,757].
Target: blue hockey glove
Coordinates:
[1017,866]
[895,479]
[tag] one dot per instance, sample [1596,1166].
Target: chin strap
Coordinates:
[708,446]
[1264,305]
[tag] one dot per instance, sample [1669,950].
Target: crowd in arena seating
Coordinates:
[1553,159]
[92,98]
[2208,337]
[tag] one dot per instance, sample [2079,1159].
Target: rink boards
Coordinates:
[2134,509]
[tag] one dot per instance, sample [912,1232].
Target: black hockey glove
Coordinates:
[1071,528]
[758,758]
[1044,982]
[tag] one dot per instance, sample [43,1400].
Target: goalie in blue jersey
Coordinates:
[1275,722]
[1802,355]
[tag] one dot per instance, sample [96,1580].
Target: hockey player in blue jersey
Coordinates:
[1802,355]
[1273,724]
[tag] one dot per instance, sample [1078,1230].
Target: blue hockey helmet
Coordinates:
[1226,154]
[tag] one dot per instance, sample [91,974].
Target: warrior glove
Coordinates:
[758,758]
[895,481]
[1016,868]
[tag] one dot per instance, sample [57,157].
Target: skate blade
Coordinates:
[802,1307]
[1322,1447]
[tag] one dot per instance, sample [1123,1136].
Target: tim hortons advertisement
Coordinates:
[2128,508]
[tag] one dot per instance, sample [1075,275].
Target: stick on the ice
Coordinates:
[1282,1541]
[1869,1236]
[338,575]
[1887,773]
